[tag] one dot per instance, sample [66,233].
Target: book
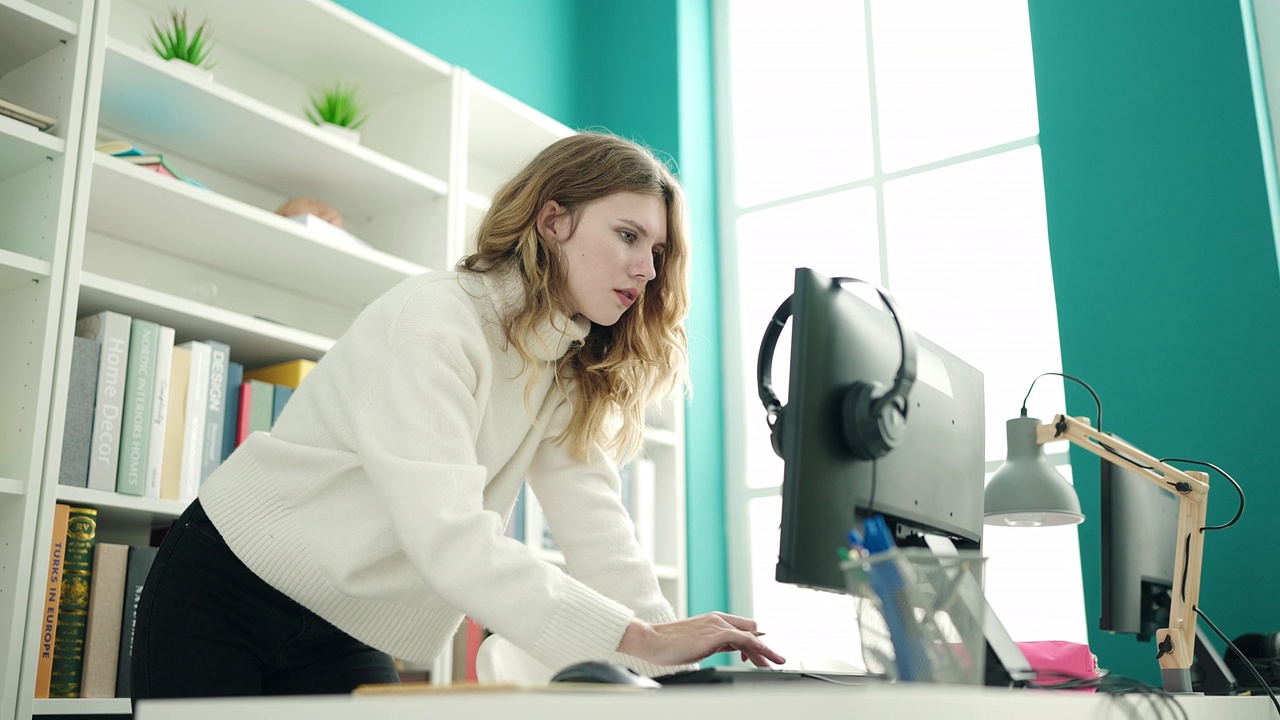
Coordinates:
[197,408]
[111,331]
[246,409]
[129,153]
[102,634]
[290,373]
[73,605]
[215,408]
[26,115]
[159,411]
[280,395]
[231,426]
[139,394]
[77,426]
[261,404]
[515,523]
[175,424]
[140,559]
[49,602]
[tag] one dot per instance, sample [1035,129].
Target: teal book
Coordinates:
[261,405]
[135,421]
[280,395]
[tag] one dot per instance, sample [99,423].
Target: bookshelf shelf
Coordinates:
[17,270]
[23,147]
[661,436]
[222,232]
[9,486]
[245,137]
[113,507]
[501,134]
[81,706]
[258,342]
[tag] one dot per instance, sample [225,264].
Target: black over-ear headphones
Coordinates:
[873,421]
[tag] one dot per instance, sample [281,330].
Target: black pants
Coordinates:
[208,626]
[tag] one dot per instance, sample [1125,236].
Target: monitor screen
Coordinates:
[930,482]
[1139,523]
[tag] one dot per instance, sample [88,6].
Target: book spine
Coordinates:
[231,426]
[246,409]
[175,424]
[77,428]
[102,635]
[140,559]
[52,595]
[159,410]
[193,433]
[139,391]
[216,409]
[73,605]
[260,408]
[280,395]
[290,373]
[111,331]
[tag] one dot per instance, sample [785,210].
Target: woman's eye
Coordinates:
[627,236]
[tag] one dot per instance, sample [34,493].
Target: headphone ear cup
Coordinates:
[775,434]
[870,432]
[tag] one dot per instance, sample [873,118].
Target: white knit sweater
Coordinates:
[379,498]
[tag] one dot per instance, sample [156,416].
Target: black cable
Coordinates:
[1223,473]
[1085,385]
[1116,685]
[1254,671]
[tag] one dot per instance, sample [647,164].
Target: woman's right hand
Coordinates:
[683,642]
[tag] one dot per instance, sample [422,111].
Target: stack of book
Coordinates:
[151,161]
[150,417]
[91,601]
[26,115]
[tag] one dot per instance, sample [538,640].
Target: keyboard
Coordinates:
[749,675]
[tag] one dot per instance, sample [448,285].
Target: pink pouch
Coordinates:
[1057,661]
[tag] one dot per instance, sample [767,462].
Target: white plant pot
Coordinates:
[343,132]
[192,72]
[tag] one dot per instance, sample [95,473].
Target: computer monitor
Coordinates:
[1139,524]
[931,482]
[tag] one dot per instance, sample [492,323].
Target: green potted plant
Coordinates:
[174,40]
[338,109]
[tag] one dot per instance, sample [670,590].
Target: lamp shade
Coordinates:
[1026,491]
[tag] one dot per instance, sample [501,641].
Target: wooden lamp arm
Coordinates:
[1176,642]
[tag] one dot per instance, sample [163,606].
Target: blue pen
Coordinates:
[887,582]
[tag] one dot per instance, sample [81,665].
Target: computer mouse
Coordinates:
[598,671]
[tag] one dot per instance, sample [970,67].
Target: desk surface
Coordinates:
[701,703]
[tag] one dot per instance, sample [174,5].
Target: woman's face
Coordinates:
[609,256]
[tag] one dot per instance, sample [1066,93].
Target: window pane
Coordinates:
[833,234]
[1033,579]
[799,96]
[969,266]
[812,629]
[951,77]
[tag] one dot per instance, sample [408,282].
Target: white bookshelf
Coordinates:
[81,231]
[44,67]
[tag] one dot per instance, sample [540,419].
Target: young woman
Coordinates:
[371,518]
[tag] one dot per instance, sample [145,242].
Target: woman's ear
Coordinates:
[553,221]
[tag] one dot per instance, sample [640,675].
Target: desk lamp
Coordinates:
[1027,492]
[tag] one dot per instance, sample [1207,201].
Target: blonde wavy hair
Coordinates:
[621,369]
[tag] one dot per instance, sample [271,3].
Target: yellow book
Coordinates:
[289,374]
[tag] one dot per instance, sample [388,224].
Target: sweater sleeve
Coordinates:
[592,528]
[415,433]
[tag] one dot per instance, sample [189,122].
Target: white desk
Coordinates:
[711,703]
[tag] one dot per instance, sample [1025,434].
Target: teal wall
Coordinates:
[641,69]
[1165,268]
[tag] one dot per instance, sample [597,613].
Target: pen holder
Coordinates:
[920,615]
